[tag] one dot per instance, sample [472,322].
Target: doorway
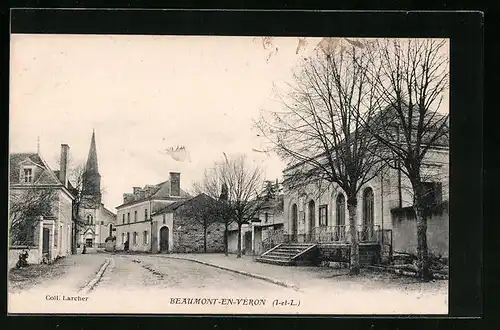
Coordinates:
[88,242]
[46,236]
[248,243]
[295,217]
[164,239]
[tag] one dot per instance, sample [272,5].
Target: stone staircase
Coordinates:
[288,254]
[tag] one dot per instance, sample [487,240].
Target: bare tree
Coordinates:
[239,182]
[76,180]
[411,76]
[213,186]
[203,211]
[319,128]
[25,209]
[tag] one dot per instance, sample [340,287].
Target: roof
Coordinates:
[158,191]
[174,206]
[46,176]
[386,117]
[108,211]
[91,166]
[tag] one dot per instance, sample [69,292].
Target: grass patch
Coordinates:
[26,277]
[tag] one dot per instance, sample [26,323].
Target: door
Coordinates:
[164,239]
[88,242]
[312,221]
[46,236]
[248,242]
[295,218]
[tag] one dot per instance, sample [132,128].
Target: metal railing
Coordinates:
[340,234]
[277,237]
[325,234]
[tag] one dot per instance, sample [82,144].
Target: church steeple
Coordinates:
[91,166]
[91,177]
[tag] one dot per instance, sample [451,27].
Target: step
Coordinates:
[291,251]
[274,261]
[277,257]
[281,253]
[294,247]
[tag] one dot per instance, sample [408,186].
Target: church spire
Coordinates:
[91,178]
[91,166]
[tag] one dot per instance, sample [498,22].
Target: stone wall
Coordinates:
[188,236]
[404,233]
[368,253]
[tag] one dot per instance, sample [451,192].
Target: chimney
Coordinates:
[175,184]
[63,169]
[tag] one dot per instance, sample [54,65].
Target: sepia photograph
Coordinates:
[210,174]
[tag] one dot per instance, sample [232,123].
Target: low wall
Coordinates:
[33,256]
[404,233]
[369,254]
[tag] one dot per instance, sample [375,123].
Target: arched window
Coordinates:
[295,218]
[368,207]
[340,210]
[90,220]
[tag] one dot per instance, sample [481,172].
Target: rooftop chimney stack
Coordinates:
[175,184]
[63,170]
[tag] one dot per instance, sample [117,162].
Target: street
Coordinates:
[137,283]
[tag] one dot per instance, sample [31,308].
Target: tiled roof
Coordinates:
[172,207]
[47,176]
[158,191]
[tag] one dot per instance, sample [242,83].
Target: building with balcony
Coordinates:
[316,215]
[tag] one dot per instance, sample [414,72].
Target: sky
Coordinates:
[143,94]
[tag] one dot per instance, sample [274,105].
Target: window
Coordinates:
[135,216]
[135,238]
[102,223]
[164,218]
[145,237]
[89,219]
[28,175]
[432,193]
[123,218]
[323,215]
[145,214]
[340,210]
[266,217]
[128,217]
[368,207]
[123,238]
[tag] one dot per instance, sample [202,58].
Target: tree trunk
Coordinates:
[422,249]
[73,239]
[352,203]
[226,239]
[205,237]
[239,241]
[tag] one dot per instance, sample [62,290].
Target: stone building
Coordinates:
[134,222]
[176,230]
[318,212]
[50,234]
[98,220]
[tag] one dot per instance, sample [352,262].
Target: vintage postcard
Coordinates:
[171,174]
